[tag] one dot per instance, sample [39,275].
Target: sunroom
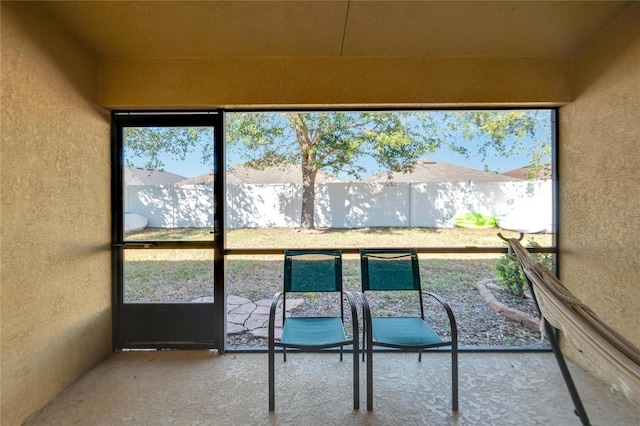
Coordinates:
[72,72]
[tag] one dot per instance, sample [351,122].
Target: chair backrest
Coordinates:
[312,270]
[389,270]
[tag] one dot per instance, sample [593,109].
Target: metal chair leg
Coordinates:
[364,335]
[272,385]
[369,378]
[356,375]
[454,377]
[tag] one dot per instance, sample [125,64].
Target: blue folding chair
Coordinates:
[398,270]
[314,271]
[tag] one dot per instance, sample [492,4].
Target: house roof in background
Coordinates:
[206,179]
[134,175]
[523,172]
[242,174]
[289,173]
[427,170]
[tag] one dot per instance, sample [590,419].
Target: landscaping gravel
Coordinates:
[478,324]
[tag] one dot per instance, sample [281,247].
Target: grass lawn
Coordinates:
[159,275]
[183,275]
[342,238]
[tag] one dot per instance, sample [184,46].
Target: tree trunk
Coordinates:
[309,172]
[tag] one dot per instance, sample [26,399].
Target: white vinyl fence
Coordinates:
[520,205]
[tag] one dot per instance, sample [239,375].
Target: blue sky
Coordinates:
[192,166]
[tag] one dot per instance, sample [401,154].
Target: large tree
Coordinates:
[336,141]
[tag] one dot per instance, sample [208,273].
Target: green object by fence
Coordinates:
[474,221]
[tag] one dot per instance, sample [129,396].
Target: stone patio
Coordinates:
[245,315]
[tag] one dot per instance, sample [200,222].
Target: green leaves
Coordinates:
[334,141]
[261,139]
[510,275]
[150,143]
[505,133]
[337,141]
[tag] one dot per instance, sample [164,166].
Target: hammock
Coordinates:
[611,357]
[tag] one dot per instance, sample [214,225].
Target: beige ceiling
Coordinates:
[201,29]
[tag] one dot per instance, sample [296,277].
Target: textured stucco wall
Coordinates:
[599,177]
[56,279]
[56,318]
[264,82]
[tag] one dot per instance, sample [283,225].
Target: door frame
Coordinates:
[163,329]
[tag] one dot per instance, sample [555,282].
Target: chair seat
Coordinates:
[404,331]
[316,331]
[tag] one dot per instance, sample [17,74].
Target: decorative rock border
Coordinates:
[506,311]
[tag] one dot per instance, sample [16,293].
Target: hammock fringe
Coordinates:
[612,358]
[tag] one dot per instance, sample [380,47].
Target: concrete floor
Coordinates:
[204,388]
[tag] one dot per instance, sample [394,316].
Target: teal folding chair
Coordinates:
[398,270]
[317,271]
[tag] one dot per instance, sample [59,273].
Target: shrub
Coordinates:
[509,272]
